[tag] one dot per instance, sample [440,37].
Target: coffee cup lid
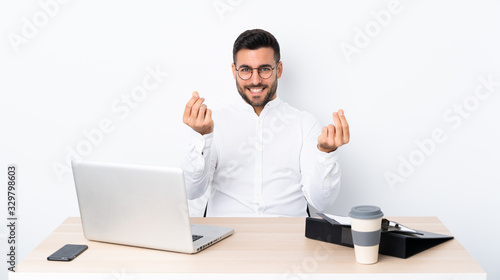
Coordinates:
[366,212]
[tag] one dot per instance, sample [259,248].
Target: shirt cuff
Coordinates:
[202,142]
[327,159]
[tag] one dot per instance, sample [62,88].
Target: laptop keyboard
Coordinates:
[196,237]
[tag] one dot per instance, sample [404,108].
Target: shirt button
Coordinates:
[257,195]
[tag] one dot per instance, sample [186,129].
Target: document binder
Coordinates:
[401,245]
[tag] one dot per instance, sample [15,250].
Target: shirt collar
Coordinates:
[247,107]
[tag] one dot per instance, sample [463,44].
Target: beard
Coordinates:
[257,102]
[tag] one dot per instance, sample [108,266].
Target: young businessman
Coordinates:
[263,157]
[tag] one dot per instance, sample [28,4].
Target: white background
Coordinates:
[65,66]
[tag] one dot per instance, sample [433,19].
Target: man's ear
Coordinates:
[280,69]
[234,70]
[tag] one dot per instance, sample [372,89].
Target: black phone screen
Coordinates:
[67,253]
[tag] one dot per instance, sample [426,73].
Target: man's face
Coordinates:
[257,91]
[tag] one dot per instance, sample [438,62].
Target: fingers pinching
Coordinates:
[330,137]
[201,113]
[195,111]
[334,135]
[189,107]
[208,117]
[338,129]
[197,115]
[345,127]
[324,135]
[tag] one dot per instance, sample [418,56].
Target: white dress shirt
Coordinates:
[266,165]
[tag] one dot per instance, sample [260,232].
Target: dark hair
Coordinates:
[256,39]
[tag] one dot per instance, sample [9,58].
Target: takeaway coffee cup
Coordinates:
[366,222]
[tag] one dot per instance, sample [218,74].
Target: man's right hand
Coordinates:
[197,116]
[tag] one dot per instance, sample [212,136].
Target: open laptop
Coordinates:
[139,206]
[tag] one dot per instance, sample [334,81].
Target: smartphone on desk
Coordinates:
[67,252]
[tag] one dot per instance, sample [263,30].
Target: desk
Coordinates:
[260,248]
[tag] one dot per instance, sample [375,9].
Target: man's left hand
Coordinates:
[334,136]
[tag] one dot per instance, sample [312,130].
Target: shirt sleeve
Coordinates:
[198,164]
[320,170]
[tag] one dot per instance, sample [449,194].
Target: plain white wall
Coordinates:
[412,77]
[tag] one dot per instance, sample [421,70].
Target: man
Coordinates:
[263,157]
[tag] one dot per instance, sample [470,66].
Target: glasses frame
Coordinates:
[258,71]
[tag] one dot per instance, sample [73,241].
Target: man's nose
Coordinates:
[255,79]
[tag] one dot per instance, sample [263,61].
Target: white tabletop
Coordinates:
[263,248]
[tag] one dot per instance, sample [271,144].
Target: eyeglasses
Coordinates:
[265,72]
